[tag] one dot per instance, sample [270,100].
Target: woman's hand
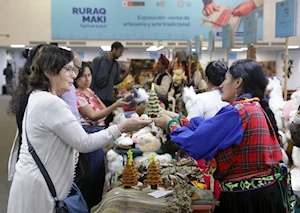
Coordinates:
[121,103]
[162,121]
[210,8]
[169,113]
[244,9]
[133,124]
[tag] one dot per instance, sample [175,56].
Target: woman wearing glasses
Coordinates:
[54,133]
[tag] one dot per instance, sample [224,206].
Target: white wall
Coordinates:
[2,67]
[294,80]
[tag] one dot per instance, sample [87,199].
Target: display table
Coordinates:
[120,200]
[135,152]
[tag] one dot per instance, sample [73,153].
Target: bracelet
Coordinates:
[170,123]
[183,121]
[179,116]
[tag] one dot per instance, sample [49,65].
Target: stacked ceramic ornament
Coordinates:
[152,109]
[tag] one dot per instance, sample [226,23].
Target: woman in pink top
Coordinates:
[91,170]
[92,110]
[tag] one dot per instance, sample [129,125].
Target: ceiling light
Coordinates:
[193,49]
[17,46]
[204,48]
[236,50]
[244,48]
[293,47]
[154,48]
[106,48]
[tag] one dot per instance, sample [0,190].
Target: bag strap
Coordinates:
[98,68]
[41,165]
[95,72]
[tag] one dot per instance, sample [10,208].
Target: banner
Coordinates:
[211,41]
[198,44]
[250,28]
[228,36]
[148,19]
[285,18]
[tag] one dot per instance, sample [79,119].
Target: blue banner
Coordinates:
[188,47]
[232,56]
[146,20]
[154,55]
[285,18]
[250,28]
[197,45]
[227,38]
[211,41]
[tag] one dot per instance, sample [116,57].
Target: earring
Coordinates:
[236,95]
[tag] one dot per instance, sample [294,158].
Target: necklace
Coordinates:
[251,100]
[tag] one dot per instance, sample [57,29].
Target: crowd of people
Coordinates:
[64,106]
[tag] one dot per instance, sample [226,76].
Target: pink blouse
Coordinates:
[95,102]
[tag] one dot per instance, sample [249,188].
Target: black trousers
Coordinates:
[90,173]
[110,117]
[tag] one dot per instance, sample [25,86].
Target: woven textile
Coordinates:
[130,201]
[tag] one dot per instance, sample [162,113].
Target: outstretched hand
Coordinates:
[120,102]
[169,113]
[210,8]
[244,9]
[133,124]
[162,121]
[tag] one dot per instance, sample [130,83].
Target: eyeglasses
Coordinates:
[70,70]
[79,68]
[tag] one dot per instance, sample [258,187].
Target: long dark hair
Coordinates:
[81,72]
[50,59]
[20,94]
[255,83]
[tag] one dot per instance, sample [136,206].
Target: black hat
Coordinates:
[116,45]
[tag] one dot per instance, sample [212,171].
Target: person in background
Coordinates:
[242,140]
[8,72]
[92,110]
[197,77]
[242,9]
[106,74]
[70,96]
[92,115]
[54,132]
[162,80]
[207,104]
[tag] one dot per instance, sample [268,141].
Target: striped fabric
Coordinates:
[130,201]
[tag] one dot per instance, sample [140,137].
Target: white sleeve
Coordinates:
[163,89]
[258,3]
[197,108]
[82,101]
[59,119]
